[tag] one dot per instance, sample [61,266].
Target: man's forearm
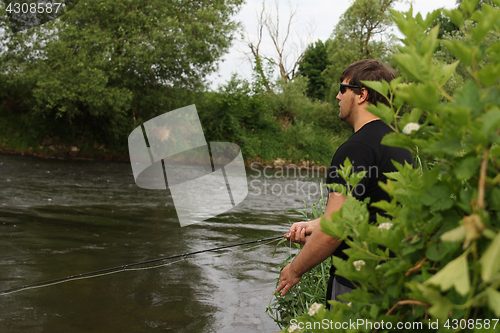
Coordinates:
[313,224]
[319,247]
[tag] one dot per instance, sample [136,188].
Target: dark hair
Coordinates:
[368,70]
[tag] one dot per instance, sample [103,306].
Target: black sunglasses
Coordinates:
[343,87]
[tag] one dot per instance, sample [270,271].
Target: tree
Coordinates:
[314,62]
[283,45]
[362,23]
[115,63]
[477,4]
[361,33]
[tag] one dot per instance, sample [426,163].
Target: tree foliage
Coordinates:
[361,33]
[312,66]
[111,64]
[361,24]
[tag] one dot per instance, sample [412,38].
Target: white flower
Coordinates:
[378,266]
[358,264]
[410,127]
[293,328]
[386,226]
[314,309]
[349,304]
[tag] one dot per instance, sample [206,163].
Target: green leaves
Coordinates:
[443,237]
[490,262]
[441,306]
[448,147]
[491,121]
[448,71]
[424,96]
[410,65]
[352,214]
[467,167]
[493,300]
[380,86]
[455,235]
[438,198]
[455,274]
[437,251]
[459,50]
[456,17]
[382,111]
[468,6]
[486,19]
[489,74]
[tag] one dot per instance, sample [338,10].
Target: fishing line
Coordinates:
[123,268]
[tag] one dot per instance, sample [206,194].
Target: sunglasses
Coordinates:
[343,87]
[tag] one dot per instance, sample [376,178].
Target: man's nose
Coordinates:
[338,96]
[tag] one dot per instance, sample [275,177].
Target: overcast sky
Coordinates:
[318,16]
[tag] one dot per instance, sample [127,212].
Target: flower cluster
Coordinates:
[358,264]
[314,308]
[410,127]
[386,226]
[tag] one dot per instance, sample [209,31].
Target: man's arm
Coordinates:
[301,231]
[318,247]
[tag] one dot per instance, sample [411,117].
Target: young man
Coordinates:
[366,153]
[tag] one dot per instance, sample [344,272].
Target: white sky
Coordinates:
[323,15]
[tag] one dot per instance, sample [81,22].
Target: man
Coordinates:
[366,153]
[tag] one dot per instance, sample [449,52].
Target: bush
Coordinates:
[284,125]
[441,268]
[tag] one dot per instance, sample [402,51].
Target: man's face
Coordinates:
[346,104]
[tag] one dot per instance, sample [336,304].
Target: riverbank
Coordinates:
[67,152]
[60,151]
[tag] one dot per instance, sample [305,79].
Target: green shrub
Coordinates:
[441,269]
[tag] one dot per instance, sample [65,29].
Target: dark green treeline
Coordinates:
[86,80]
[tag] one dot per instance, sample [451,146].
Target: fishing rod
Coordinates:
[117,269]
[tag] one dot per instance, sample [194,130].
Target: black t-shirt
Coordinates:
[366,153]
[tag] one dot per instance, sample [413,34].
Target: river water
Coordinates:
[65,217]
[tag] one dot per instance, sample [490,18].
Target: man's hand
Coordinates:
[300,231]
[320,247]
[288,279]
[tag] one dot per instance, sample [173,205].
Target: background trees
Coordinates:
[105,67]
[288,47]
[314,62]
[362,32]
[108,64]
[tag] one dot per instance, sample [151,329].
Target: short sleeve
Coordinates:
[362,158]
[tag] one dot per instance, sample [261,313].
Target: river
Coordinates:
[65,217]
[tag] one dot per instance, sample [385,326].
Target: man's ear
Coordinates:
[363,97]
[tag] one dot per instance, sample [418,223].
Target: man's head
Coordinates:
[354,96]
[368,70]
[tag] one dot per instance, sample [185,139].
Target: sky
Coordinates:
[314,19]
